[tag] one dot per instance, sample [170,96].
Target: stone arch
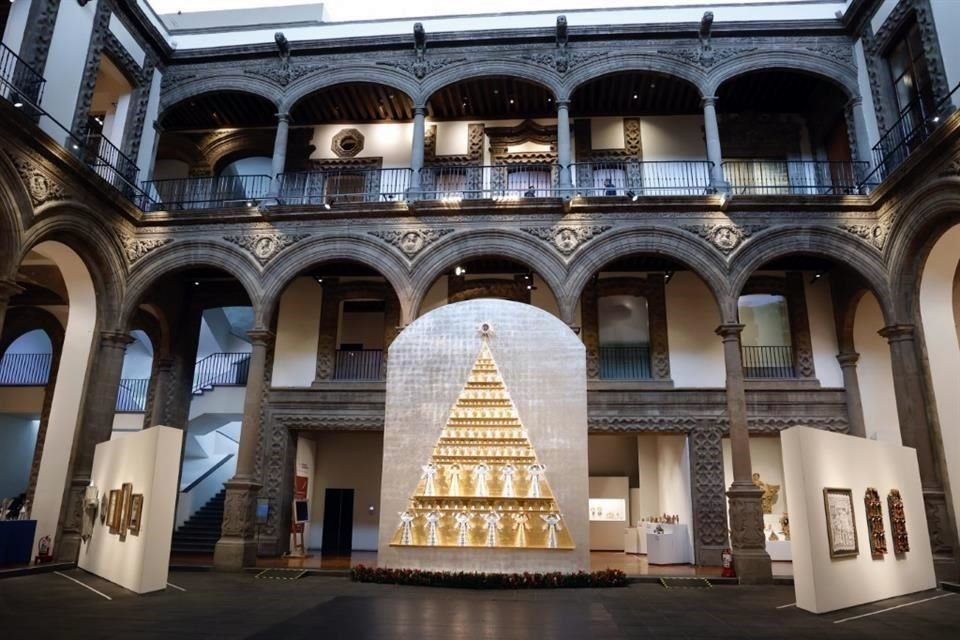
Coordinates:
[527,71]
[382,75]
[216,83]
[820,242]
[611,65]
[830,70]
[301,256]
[22,320]
[93,240]
[654,240]
[921,223]
[457,247]
[181,255]
[15,212]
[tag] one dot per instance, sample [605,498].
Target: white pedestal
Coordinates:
[631,540]
[779,550]
[670,547]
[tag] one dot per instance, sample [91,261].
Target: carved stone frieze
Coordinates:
[135,248]
[725,236]
[264,246]
[173,78]
[695,54]
[567,238]
[421,68]
[410,241]
[313,422]
[841,54]
[951,169]
[938,523]
[41,186]
[709,503]
[746,518]
[874,234]
[636,424]
[562,60]
[283,72]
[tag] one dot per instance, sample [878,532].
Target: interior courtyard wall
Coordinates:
[672,138]
[306,466]
[866,95]
[150,137]
[648,502]
[66,62]
[946,15]
[673,474]
[613,455]
[18,437]
[766,458]
[436,296]
[16,26]
[937,313]
[349,460]
[875,372]
[361,327]
[606,132]
[696,353]
[22,400]
[167,169]
[823,330]
[126,39]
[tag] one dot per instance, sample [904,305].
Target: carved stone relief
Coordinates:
[410,241]
[567,239]
[725,236]
[283,72]
[265,246]
[874,234]
[41,186]
[347,143]
[709,503]
[135,248]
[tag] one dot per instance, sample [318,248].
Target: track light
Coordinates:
[18,105]
[632,195]
[667,277]
[816,276]
[319,280]
[459,271]
[196,283]
[327,203]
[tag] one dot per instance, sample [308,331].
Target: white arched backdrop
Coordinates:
[875,372]
[68,391]
[940,315]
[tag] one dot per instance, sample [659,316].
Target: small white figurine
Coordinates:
[507,473]
[492,518]
[433,526]
[406,527]
[453,471]
[536,471]
[480,472]
[462,526]
[429,475]
[521,521]
[552,526]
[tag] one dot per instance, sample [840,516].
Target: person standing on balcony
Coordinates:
[609,189]
[530,192]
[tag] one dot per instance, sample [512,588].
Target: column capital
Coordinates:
[283,116]
[562,104]
[729,331]
[854,102]
[115,339]
[708,101]
[420,110]
[260,337]
[898,333]
[8,289]
[848,359]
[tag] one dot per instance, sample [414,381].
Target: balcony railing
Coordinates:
[343,185]
[358,364]
[916,124]
[108,161]
[794,177]
[208,192]
[25,369]
[221,370]
[21,84]
[636,179]
[132,395]
[497,182]
[768,362]
[625,362]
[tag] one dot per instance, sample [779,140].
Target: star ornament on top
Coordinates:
[485,330]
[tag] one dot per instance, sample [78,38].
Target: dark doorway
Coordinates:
[337,522]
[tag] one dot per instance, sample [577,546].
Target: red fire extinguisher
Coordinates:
[726,561]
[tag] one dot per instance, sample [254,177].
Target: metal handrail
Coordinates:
[208,192]
[633,179]
[455,182]
[22,81]
[358,364]
[108,161]
[794,177]
[768,361]
[339,185]
[221,369]
[625,362]
[25,369]
[132,395]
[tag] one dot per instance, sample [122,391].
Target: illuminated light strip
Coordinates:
[899,606]
[84,585]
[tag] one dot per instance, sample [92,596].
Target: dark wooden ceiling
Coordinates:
[491,98]
[4,15]
[778,91]
[221,110]
[353,102]
[635,93]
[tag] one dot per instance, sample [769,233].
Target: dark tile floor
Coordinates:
[218,605]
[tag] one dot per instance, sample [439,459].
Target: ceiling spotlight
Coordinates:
[319,280]
[636,96]
[632,195]
[18,105]
[496,92]
[249,203]
[816,276]
[75,146]
[723,199]
[936,119]
[196,283]
[549,99]
[326,203]
[459,271]
[667,277]
[511,100]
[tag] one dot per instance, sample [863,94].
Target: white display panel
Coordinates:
[608,510]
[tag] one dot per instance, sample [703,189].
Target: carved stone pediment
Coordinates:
[41,185]
[136,248]
[410,241]
[265,246]
[725,236]
[566,239]
[874,234]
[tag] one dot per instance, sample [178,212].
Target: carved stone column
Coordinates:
[712,133]
[96,424]
[657,317]
[162,383]
[416,153]
[327,342]
[709,506]
[750,557]
[172,386]
[799,326]
[391,329]
[859,133]
[563,146]
[590,328]
[8,289]
[915,432]
[280,152]
[851,384]
[237,547]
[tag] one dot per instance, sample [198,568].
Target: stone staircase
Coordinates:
[200,533]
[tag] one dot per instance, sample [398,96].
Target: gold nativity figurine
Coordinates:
[483,486]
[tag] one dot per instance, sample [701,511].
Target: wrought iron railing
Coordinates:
[108,161]
[344,185]
[132,395]
[358,364]
[207,192]
[221,369]
[625,362]
[794,177]
[25,369]
[768,362]
[915,124]
[457,182]
[636,179]
[21,84]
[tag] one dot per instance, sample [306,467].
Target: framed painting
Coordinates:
[127,501]
[113,511]
[136,513]
[841,522]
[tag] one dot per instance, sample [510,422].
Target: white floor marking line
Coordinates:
[84,585]
[170,584]
[899,606]
[784,606]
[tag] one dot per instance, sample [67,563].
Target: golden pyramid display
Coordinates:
[483,486]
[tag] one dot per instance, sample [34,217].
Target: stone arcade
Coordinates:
[721,221]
